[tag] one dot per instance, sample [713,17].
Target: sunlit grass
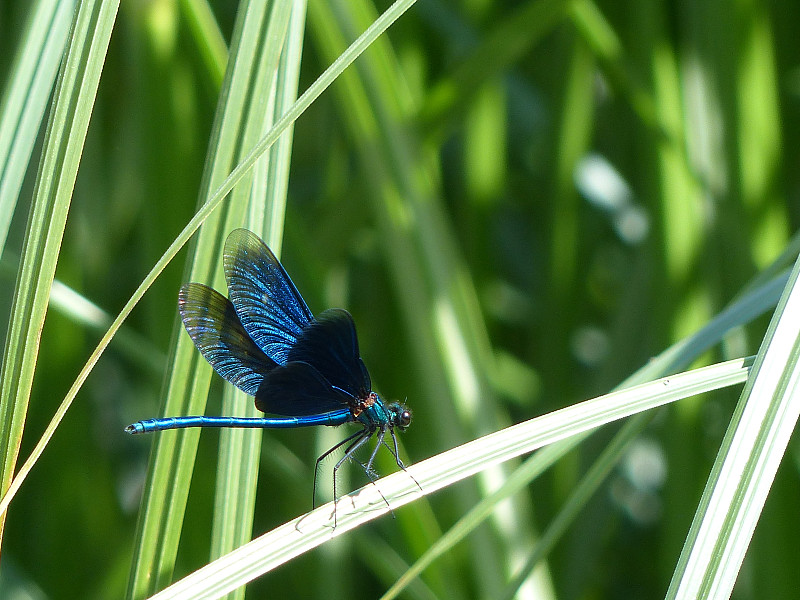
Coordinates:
[431,187]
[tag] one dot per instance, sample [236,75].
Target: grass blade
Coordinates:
[309,531]
[63,146]
[748,459]
[25,97]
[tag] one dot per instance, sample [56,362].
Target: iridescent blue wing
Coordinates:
[270,308]
[215,329]
[297,389]
[330,345]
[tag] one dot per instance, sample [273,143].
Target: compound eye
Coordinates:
[404,418]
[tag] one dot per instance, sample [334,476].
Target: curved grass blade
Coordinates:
[309,531]
[744,471]
[740,312]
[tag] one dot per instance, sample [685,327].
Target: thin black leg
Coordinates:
[396,452]
[361,438]
[323,457]
[378,443]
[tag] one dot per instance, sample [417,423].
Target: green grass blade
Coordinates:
[239,449]
[208,37]
[529,470]
[579,498]
[25,97]
[66,132]
[309,531]
[681,354]
[215,199]
[241,119]
[748,459]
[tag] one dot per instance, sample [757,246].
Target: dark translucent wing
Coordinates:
[269,306]
[214,327]
[330,345]
[298,389]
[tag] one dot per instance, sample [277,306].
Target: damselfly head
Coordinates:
[400,416]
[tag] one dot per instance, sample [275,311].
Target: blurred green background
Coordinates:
[573,186]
